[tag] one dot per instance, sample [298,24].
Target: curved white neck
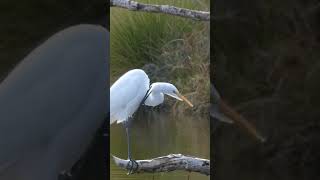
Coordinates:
[157,92]
[154,99]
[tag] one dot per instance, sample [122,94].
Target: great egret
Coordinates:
[223,112]
[52,104]
[132,90]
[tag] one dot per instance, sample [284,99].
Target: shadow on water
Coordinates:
[156,133]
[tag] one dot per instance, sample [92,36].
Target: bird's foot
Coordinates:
[132,166]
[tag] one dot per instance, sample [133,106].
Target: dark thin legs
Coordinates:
[128,141]
[133,164]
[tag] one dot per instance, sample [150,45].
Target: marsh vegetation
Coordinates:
[168,48]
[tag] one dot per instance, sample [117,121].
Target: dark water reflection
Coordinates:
[155,133]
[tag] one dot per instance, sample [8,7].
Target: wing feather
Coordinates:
[126,94]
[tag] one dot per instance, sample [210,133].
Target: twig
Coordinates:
[167,163]
[166,9]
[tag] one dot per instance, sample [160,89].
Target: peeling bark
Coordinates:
[167,163]
[165,9]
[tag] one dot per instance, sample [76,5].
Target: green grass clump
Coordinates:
[178,46]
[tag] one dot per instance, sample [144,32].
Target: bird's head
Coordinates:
[170,90]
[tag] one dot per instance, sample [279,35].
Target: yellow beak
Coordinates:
[185,99]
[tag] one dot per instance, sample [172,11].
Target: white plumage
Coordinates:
[127,93]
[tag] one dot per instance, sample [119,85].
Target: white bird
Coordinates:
[127,93]
[132,90]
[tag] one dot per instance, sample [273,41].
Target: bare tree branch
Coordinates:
[167,163]
[165,9]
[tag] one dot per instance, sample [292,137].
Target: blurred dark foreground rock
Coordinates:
[53,103]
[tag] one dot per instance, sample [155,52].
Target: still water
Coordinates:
[156,133]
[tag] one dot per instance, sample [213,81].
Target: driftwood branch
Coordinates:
[165,9]
[167,163]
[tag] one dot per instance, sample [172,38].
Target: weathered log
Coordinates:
[166,9]
[167,163]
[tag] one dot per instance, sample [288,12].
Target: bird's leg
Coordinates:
[128,141]
[132,163]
